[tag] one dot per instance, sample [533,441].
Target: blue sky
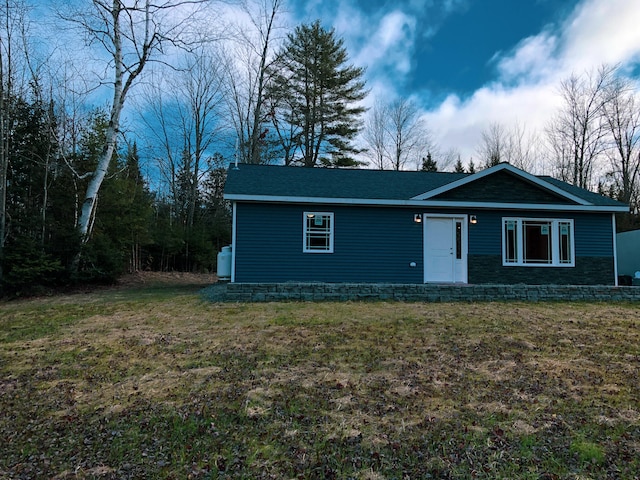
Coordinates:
[452,44]
[470,63]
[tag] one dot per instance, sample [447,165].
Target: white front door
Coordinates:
[445,249]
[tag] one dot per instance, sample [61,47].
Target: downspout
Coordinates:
[615,250]
[233,242]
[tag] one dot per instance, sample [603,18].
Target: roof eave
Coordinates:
[426,203]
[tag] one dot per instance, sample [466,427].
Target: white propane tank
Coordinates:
[224,264]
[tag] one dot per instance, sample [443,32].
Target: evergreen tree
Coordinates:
[123,210]
[472,166]
[167,238]
[102,258]
[180,245]
[429,164]
[132,209]
[27,170]
[218,210]
[27,262]
[459,167]
[315,91]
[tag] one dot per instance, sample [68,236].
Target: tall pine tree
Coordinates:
[316,93]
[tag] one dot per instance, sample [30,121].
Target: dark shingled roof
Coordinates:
[281,181]
[276,180]
[594,198]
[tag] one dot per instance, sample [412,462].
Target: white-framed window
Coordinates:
[317,232]
[536,242]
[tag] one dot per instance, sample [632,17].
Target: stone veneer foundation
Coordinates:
[274,292]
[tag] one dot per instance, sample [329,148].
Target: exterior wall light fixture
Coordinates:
[473,219]
[417,218]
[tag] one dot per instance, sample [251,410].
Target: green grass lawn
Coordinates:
[154,382]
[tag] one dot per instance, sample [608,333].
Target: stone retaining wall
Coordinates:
[268,292]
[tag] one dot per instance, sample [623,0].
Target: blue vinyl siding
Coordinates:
[378,244]
[593,232]
[594,235]
[370,245]
[593,256]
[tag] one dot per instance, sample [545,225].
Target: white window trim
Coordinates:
[555,242]
[304,232]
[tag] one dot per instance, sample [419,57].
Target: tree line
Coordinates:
[76,204]
[115,160]
[592,141]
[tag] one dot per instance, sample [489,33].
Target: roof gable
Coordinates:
[506,184]
[503,187]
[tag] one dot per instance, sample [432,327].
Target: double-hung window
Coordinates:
[537,242]
[318,232]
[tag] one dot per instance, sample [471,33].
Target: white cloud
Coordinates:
[459,124]
[390,46]
[527,74]
[532,58]
[602,31]
[525,90]
[382,39]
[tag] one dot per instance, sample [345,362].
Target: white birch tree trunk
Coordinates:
[119,92]
[130,31]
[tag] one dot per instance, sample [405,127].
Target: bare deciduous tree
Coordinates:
[408,134]
[6,66]
[522,147]
[577,132]
[375,136]
[396,135]
[494,144]
[449,159]
[132,32]
[182,112]
[247,76]
[622,114]
[201,86]
[13,18]
[514,145]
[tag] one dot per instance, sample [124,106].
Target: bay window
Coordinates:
[537,242]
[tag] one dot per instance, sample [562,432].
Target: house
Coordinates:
[628,252]
[498,226]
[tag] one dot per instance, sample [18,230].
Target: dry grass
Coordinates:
[150,381]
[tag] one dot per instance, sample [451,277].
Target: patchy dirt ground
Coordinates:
[127,284]
[165,278]
[147,380]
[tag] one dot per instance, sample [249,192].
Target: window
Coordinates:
[536,239]
[510,241]
[458,240]
[565,243]
[537,242]
[318,232]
